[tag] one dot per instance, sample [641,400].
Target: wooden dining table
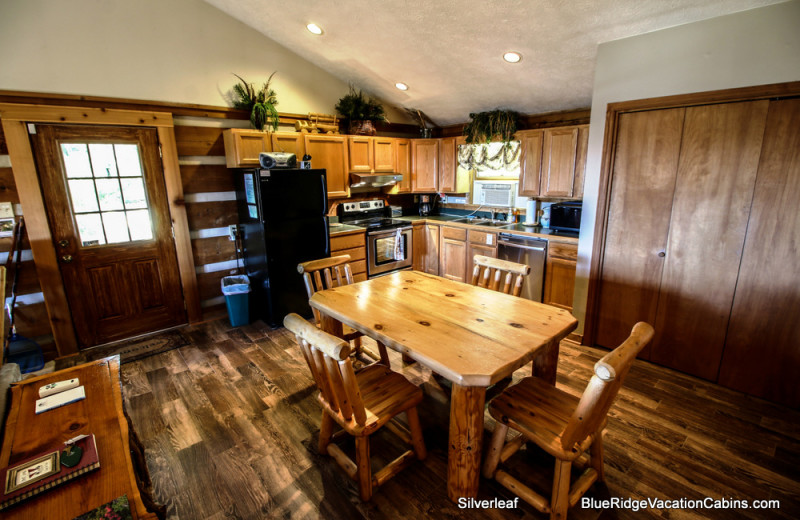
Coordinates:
[472,336]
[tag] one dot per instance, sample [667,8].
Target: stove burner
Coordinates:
[376,223]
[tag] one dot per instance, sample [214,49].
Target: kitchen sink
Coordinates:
[483,222]
[493,223]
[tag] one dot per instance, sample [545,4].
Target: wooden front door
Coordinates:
[104,192]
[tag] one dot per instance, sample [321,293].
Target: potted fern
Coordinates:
[360,111]
[260,103]
[484,127]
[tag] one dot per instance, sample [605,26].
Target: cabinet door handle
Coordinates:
[662,254]
[66,259]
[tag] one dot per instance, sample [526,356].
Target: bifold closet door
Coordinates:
[762,352]
[642,185]
[713,193]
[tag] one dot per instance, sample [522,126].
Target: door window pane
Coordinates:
[83,196]
[90,229]
[133,193]
[107,191]
[76,160]
[128,160]
[103,162]
[139,224]
[109,194]
[116,227]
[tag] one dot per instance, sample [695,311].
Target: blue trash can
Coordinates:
[236,290]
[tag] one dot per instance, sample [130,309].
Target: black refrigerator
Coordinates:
[282,215]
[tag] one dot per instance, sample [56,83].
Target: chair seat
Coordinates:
[540,412]
[385,394]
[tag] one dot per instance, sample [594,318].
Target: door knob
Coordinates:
[66,259]
[63,243]
[662,254]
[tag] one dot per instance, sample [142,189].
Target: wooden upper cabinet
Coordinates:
[580,162]
[403,165]
[359,148]
[288,142]
[558,162]
[243,146]
[371,154]
[384,153]
[449,180]
[530,162]
[424,165]
[330,152]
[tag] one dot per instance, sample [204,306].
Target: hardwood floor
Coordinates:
[230,426]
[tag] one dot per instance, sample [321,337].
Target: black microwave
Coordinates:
[566,216]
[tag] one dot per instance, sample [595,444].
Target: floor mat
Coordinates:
[134,350]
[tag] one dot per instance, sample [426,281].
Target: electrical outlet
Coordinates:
[233,232]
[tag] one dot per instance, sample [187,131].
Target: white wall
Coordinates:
[161,50]
[755,47]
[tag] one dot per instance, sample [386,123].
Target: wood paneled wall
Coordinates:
[31,314]
[211,208]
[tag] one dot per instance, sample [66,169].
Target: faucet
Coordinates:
[493,214]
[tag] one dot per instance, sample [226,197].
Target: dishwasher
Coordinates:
[528,251]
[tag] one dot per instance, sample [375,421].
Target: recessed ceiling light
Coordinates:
[401,86]
[314,28]
[512,57]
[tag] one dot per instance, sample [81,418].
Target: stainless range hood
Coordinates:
[374,180]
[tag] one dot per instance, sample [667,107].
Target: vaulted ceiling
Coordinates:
[449,52]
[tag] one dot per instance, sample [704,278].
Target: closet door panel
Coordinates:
[714,190]
[645,166]
[762,351]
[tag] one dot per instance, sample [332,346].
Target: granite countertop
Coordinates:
[335,228]
[566,237]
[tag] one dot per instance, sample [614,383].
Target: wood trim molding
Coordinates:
[613,112]
[180,223]
[44,253]
[175,109]
[14,118]
[79,115]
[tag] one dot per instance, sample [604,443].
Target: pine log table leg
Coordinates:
[466,439]
[545,362]
[330,325]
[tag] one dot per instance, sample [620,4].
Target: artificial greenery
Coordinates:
[483,127]
[355,106]
[260,103]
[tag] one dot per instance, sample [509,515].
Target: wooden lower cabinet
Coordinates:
[453,263]
[479,243]
[355,245]
[425,255]
[559,281]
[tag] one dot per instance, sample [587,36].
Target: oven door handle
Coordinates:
[388,232]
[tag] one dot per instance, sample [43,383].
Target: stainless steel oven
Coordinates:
[389,250]
[389,241]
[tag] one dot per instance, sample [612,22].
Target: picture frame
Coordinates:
[6,227]
[32,471]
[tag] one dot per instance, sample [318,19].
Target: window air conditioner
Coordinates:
[495,194]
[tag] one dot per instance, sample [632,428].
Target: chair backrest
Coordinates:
[328,358]
[600,393]
[325,273]
[499,275]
